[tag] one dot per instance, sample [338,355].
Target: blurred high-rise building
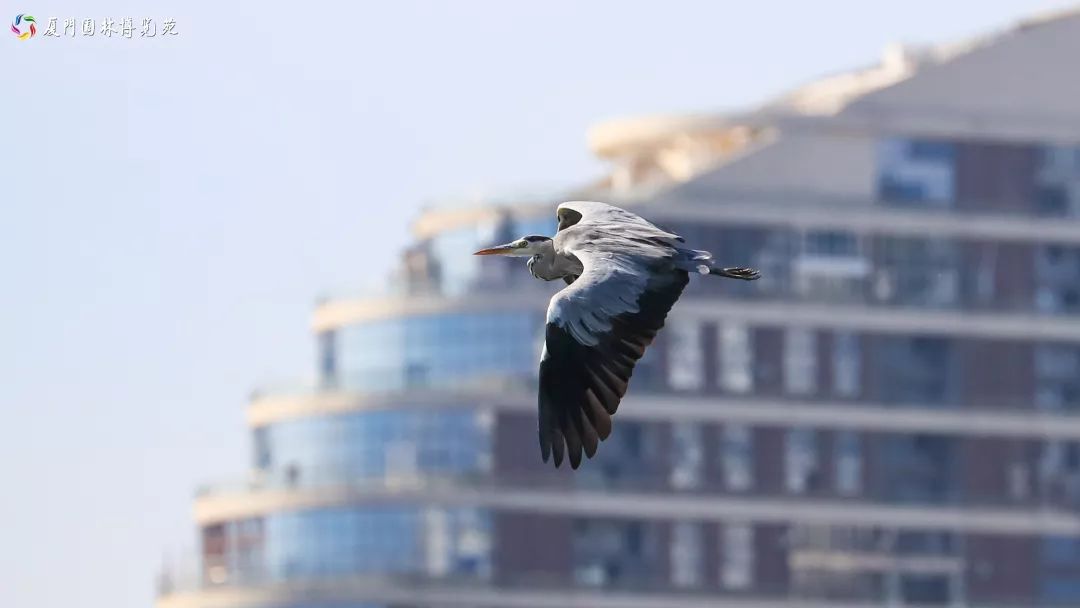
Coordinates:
[887,417]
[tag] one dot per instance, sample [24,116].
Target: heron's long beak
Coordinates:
[500,250]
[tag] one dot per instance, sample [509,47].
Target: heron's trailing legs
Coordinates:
[694,260]
[745,274]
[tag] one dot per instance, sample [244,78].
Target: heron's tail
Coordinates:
[702,262]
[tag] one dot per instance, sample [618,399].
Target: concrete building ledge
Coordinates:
[533,497]
[482,595]
[640,405]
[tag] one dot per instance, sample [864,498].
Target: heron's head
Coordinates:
[525,247]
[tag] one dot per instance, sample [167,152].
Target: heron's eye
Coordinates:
[521,244]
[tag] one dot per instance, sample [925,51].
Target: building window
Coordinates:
[328,358]
[544,224]
[1057,180]
[341,541]
[800,460]
[830,243]
[263,457]
[848,462]
[688,455]
[1062,551]
[983,279]
[613,552]
[800,361]
[1056,270]
[462,274]
[915,370]
[1019,480]
[457,542]
[376,445]
[686,554]
[628,458]
[830,267]
[686,356]
[737,455]
[437,540]
[649,373]
[774,260]
[737,555]
[846,364]
[1059,472]
[914,271]
[438,350]
[916,172]
[921,469]
[1057,376]
[1059,589]
[736,358]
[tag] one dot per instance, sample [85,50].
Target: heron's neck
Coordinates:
[542,265]
[549,265]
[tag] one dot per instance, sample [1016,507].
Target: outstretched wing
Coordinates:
[600,325]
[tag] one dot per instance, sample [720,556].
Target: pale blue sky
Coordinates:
[170,208]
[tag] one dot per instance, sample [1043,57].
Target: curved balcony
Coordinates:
[1014,322]
[205,587]
[555,492]
[520,592]
[516,394]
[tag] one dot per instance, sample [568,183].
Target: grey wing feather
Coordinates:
[599,326]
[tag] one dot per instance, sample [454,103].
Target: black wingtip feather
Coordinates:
[590,439]
[581,386]
[597,414]
[557,447]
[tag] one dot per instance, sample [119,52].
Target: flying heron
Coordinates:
[623,275]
